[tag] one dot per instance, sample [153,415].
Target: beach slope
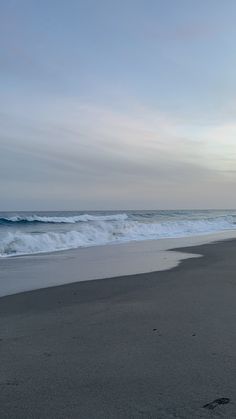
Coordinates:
[158,345]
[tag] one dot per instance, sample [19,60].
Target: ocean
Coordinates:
[26,233]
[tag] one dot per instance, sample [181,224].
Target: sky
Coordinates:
[126,104]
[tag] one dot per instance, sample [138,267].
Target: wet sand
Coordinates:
[26,273]
[157,345]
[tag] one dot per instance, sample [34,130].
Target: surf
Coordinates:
[101,230]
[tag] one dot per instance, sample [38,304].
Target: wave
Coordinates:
[101,233]
[59,220]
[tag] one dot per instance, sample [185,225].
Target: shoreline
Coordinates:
[160,344]
[26,273]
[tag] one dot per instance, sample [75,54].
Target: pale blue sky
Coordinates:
[109,104]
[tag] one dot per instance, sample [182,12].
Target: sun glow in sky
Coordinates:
[110,105]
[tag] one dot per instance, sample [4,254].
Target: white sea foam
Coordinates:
[70,220]
[107,232]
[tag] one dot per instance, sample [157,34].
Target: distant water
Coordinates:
[25,233]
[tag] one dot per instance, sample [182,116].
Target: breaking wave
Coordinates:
[118,230]
[59,220]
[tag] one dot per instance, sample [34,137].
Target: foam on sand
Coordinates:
[46,270]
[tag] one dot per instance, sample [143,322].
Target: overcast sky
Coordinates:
[117,104]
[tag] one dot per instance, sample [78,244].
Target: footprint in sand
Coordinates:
[217,402]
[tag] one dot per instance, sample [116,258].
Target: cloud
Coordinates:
[93,156]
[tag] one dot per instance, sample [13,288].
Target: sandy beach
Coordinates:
[157,345]
[117,209]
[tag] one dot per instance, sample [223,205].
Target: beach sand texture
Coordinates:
[157,345]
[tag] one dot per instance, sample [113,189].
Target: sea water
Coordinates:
[24,233]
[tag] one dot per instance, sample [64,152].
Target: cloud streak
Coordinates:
[121,155]
[122,106]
